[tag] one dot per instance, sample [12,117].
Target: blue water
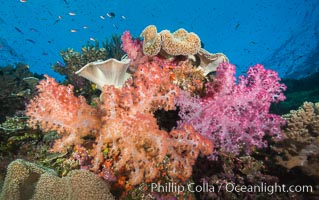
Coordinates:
[282,34]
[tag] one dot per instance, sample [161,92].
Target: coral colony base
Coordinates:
[118,135]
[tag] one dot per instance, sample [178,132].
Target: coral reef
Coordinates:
[26,180]
[74,61]
[109,72]
[14,133]
[189,78]
[235,116]
[228,171]
[20,180]
[209,62]
[170,49]
[173,121]
[17,87]
[122,146]
[300,147]
[152,41]
[180,42]
[56,108]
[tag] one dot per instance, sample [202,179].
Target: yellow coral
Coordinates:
[189,78]
[180,42]
[300,148]
[303,122]
[77,185]
[152,41]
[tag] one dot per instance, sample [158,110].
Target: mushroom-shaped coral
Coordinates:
[152,41]
[109,72]
[209,61]
[180,42]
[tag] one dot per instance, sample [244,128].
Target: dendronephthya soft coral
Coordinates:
[236,116]
[128,141]
[121,133]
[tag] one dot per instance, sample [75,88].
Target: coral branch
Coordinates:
[56,108]
[236,116]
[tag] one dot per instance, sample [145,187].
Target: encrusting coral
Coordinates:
[300,147]
[26,180]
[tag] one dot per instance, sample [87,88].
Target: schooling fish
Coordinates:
[17,29]
[110,14]
[29,40]
[114,25]
[59,19]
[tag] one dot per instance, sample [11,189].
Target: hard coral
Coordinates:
[26,180]
[300,147]
[236,116]
[20,180]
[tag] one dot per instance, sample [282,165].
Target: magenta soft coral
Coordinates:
[236,116]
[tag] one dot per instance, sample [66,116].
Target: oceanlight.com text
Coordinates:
[230,187]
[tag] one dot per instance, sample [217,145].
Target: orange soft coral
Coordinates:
[56,108]
[127,136]
[153,88]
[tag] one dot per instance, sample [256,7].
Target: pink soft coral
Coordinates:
[236,116]
[133,49]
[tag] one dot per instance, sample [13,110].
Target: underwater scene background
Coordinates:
[126,99]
